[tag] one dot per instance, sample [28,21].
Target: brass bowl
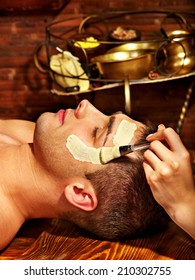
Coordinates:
[125,64]
[141,45]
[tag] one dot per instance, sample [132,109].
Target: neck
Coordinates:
[24,185]
[26,190]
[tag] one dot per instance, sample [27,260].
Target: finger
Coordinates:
[163,161]
[173,140]
[160,158]
[148,171]
[160,150]
[150,175]
[161,127]
[170,137]
[157,135]
[152,159]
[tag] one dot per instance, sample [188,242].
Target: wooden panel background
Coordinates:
[25,92]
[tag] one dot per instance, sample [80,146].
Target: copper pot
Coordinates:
[118,65]
[179,53]
[125,65]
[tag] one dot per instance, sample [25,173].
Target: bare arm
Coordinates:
[168,171]
[16,131]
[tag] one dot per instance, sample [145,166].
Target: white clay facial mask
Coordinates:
[82,152]
[125,133]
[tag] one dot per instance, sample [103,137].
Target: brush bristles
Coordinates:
[109,153]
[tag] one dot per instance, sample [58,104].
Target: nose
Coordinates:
[86,110]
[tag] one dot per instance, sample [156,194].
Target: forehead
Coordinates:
[118,119]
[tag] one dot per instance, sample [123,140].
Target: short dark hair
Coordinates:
[126,207]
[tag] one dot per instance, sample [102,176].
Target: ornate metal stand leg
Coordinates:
[127,96]
[185,108]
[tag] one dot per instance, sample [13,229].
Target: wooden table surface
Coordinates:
[53,239]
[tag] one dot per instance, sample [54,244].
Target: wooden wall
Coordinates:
[25,92]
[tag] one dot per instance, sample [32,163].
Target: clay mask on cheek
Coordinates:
[80,151]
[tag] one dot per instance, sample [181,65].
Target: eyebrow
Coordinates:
[109,128]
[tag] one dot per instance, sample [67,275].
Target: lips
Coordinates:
[61,116]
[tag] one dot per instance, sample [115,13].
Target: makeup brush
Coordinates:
[109,153]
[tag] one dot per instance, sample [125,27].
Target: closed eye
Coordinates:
[97,134]
[108,130]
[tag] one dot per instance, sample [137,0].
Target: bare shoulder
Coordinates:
[13,122]
[18,130]
[5,139]
[9,224]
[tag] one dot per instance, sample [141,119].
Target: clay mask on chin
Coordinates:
[80,151]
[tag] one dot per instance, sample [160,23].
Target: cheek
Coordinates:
[55,146]
[49,146]
[54,156]
[60,161]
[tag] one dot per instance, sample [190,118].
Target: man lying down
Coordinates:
[53,169]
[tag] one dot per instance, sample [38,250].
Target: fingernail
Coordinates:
[150,135]
[161,125]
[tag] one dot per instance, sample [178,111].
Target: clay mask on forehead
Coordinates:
[125,133]
[80,151]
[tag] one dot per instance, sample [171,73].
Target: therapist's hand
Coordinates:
[168,171]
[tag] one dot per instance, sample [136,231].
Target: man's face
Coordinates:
[86,122]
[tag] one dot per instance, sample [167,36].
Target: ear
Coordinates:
[81,194]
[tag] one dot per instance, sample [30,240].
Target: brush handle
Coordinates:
[132,148]
[140,147]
